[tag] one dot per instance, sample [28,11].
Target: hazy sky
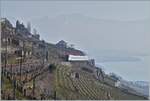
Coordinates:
[110,25]
[99,28]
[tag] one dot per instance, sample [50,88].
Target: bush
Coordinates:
[51,67]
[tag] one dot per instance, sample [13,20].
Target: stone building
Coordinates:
[8,37]
[17,40]
[62,44]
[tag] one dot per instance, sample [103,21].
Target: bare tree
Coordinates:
[34,31]
[29,26]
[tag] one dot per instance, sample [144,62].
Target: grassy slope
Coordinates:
[8,89]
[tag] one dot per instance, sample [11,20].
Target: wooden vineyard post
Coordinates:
[11,72]
[33,87]
[54,95]
[20,67]
[14,88]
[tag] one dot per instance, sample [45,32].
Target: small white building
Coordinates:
[77,58]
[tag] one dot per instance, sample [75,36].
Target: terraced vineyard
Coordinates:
[85,87]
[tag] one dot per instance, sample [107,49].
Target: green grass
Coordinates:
[7,86]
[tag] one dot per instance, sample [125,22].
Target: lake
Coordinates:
[129,70]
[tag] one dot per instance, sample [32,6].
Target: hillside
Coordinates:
[86,87]
[35,69]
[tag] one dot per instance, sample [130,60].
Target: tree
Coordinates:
[34,31]
[17,23]
[72,45]
[29,26]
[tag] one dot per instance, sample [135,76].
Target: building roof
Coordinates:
[62,43]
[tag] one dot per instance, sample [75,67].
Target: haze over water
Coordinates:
[128,70]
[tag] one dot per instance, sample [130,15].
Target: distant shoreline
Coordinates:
[119,59]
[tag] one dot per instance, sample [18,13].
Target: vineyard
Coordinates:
[86,87]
